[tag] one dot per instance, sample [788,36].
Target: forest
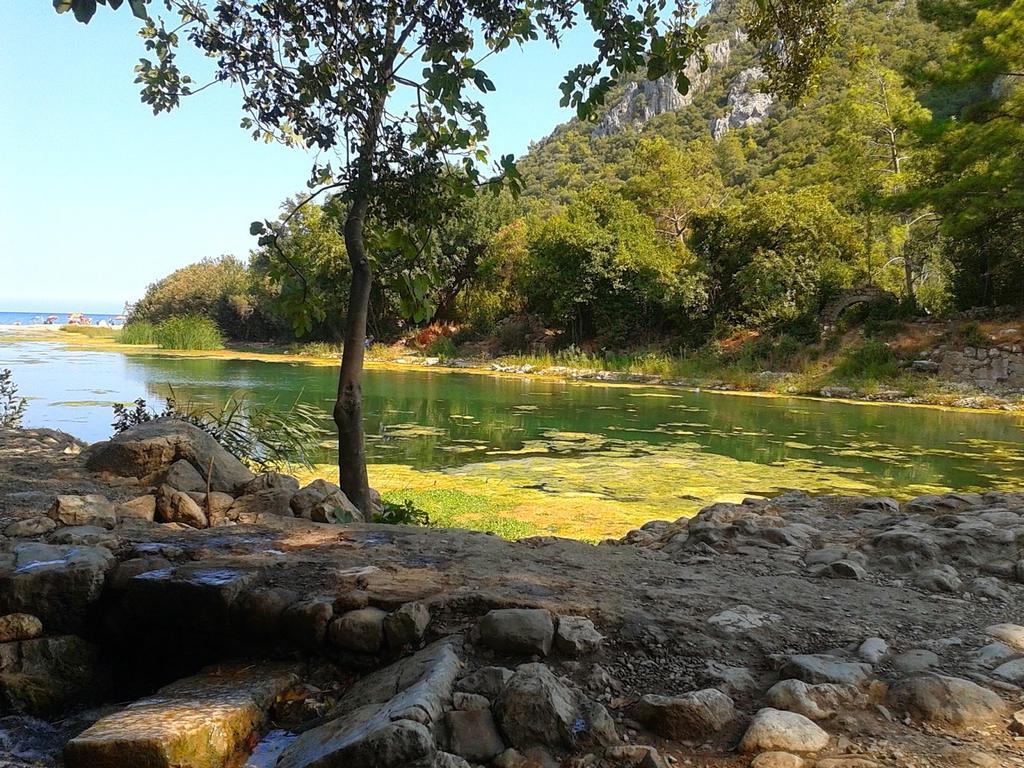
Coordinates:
[903,168]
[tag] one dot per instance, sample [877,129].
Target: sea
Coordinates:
[38,318]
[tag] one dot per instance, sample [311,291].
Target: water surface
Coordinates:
[655,448]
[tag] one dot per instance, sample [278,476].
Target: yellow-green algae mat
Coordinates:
[199,722]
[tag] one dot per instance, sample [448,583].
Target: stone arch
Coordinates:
[867,294]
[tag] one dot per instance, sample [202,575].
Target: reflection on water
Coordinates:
[521,428]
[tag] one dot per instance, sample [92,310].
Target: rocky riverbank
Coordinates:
[163,607]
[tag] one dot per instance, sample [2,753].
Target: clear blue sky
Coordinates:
[98,197]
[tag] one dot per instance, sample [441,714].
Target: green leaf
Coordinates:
[257,228]
[84,10]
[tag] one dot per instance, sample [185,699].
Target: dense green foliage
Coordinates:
[904,168]
[188,332]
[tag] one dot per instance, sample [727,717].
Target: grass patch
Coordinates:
[872,362]
[452,508]
[92,331]
[188,332]
[137,332]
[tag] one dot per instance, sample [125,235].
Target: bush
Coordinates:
[872,361]
[188,332]
[401,513]
[12,407]
[442,347]
[137,332]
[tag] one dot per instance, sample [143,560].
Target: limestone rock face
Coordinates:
[947,701]
[536,709]
[747,104]
[524,631]
[775,730]
[199,721]
[154,445]
[384,720]
[646,99]
[691,716]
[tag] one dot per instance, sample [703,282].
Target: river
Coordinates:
[555,456]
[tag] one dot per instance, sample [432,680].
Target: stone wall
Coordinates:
[985,367]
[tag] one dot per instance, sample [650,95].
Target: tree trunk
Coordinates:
[348,408]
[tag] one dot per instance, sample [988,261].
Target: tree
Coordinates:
[672,185]
[877,123]
[390,85]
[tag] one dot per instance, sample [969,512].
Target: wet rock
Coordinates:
[178,507]
[1011,634]
[406,625]
[140,508]
[199,722]
[88,535]
[944,578]
[577,636]
[474,735]
[258,613]
[1010,671]
[486,681]
[361,630]
[777,760]
[182,476]
[690,716]
[536,709]
[324,502]
[267,481]
[776,730]
[91,509]
[518,631]
[154,445]
[821,668]
[384,720]
[946,701]
[306,622]
[56,583]
[251,507]
[873,650]
[46,675]
[19,626]
[31,526]
[817,702]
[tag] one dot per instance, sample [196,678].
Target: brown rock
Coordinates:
[19,626]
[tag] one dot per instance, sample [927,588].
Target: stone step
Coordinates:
[199,722]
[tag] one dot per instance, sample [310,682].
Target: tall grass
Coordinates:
[188,332]
[874,361]
[137,332]
[92,331]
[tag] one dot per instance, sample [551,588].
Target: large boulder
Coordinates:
[775,730]
[324,502]
[155,445]
[55,583]
[818,702]
[947,701]
[537,709]
[822,668]
[91,509]
[385,719]
[693,715]
[43,676]
[518,631]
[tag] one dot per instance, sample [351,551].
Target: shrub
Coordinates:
[403,513]
[188,332]
[12,407]
[442,347]
[972,335]
[872,361]
[137,332]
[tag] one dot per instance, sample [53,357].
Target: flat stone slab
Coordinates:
[385,719]
[199,722]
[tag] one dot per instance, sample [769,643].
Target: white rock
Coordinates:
[776,730]
[873,650]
